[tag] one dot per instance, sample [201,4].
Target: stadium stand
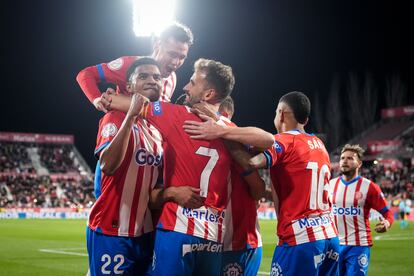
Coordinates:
[43,170]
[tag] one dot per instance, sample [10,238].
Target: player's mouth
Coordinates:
[151,88]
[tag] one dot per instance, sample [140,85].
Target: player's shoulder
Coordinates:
[160,108]
[112,116]
[334,180]
[286,137]
[225,121]
[371,184]
[121,62]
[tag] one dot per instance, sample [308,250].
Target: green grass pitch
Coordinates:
[57,247]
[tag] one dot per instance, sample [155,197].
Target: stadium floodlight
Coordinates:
[150,17]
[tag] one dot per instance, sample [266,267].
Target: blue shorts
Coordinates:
[112,255]
[181,254]
[354,260]
[312,258]
[244,262]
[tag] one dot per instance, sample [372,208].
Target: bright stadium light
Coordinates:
[150,17]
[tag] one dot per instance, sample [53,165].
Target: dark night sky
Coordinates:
[273,46]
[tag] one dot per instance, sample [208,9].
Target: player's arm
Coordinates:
[117,101]
[88,80]
[257,187]
[244,158]
[185,196]
[378,202]
[209,130]
[112,156]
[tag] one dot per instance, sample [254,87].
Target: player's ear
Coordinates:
[282,117]
[359,163]
[209,94]
[129,87]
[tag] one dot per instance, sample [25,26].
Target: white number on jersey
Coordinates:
[119,259]
[205,175]
[319,185]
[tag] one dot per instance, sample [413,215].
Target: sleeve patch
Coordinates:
[278,148]
[109,129]
[156,108]
[116,64]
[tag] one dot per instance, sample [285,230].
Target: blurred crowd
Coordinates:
[32,191]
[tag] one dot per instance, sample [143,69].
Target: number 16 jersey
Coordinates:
[300,173]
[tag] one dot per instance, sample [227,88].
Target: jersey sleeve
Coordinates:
[162,115]
[377,202]
[278,151]
[113,72]
[108,128]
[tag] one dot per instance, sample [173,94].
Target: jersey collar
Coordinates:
[350,181]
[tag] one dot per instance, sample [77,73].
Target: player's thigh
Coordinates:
[302,259]
[207,263]
[253,260]
[110,255]
[331,253]
[357,261]
[170,256]
[293,260]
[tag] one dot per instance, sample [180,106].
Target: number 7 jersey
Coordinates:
[300,173]
[197,163]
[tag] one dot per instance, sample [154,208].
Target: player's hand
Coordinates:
[103,103]
[207,130]
[204,108]
[188,197]
[138,102]
[382,226]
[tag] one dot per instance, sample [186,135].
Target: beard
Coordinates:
[348,172]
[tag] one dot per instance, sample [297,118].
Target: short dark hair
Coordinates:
[218,75]
[140,61]
[299,103]
[179,32]
[227,106]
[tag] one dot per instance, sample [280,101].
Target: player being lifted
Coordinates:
[300,172]
[353,197]
[188,241]
[119,238]
[169,50]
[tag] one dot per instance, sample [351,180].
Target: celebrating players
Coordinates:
[119,229]
[353,197]
[300,173]
[188,241]
[169,49]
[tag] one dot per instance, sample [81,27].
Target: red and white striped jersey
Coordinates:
[122,207]
[115,72]
[352,202]
[241,224]
[300,173]
[197,163]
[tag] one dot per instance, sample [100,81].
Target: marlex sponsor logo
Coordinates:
[347,211]
[313,222]
[203,214]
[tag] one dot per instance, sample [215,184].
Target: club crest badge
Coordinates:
[109,130]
